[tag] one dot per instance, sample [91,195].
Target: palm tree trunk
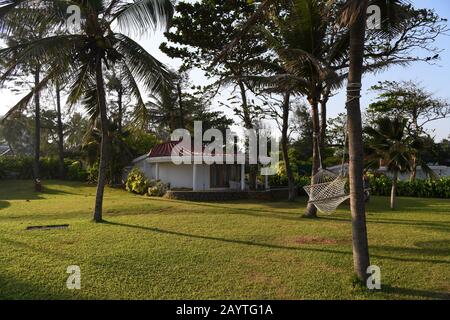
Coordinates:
[356,162]
[284,146]
[104,152]
[394,191]
[248,125]
[323,122]
[62,173]
[180,105]
[311,210]
[37,128]
[414,166]
[120,111]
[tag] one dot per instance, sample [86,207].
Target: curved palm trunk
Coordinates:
[394,191]
[284,146]
[311,210]
[37,129]
[356,162]
[104,152]
[62,173]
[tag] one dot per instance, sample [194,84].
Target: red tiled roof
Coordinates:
[165,149]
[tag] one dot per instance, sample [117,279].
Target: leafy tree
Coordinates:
[79,59]
[169,111]
[390,142]
[23,31]
[408,100]
[17,131]
[197,36]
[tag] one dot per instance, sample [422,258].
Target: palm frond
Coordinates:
[141,15]
[146,69]
[42,51]
[83,81]
[25,101]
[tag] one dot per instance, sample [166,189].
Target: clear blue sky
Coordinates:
[435,78]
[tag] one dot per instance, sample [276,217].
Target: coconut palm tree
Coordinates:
[307,59]
[355,16]
[79,58]
[390,142]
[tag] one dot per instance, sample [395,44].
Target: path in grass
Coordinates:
[162,249]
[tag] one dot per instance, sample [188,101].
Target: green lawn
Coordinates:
[153,248]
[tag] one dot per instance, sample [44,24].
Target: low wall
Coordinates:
[231,195]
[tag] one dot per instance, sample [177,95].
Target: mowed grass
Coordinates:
[152,248]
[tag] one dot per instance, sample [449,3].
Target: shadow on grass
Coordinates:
[14,289]
[420,294]
[273,246]
[233,209]
[443,226]
[28,193]
[415,251]
[35,249]
[4,204]
[405,204]
[428,248]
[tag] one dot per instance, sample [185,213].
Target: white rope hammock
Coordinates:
[328,190]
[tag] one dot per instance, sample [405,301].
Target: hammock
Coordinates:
[327,189]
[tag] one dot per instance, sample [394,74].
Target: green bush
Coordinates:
[381,186]
[157,188]
[22,168]
[438,188]
[92,173]
[76,172]
[137,182]
[280,180]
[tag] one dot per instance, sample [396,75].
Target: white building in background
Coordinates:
[158,165]
[440,171]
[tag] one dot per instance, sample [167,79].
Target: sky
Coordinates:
[435,78]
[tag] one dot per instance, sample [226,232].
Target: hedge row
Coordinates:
[439,188]
[381,186]
[22,168]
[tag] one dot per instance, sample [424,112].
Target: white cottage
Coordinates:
[158,165]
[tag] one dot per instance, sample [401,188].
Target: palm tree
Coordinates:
[60,130]
[390,142]
[29,31]
[355,16]
[79,58]
[307,60]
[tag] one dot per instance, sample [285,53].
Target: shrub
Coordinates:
[280,180]
[381,186]
[137,182]
[157,188]
[76,172]
[22,168]
[92,173]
